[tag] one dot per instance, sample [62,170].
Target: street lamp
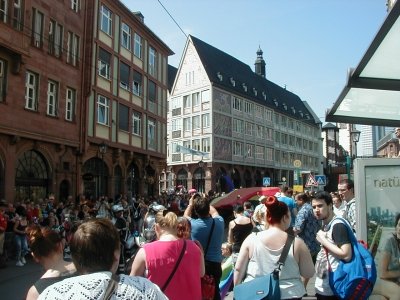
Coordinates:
[355,137]
[201,164]
[102,150]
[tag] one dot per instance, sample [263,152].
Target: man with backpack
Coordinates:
[344,268]
[335,245]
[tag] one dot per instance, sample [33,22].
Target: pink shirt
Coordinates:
[161,257]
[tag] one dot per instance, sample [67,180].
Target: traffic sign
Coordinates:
[311,181]
[266,181]
[320,179]
[297,163]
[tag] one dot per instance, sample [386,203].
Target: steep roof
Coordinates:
[231,74]
[172,71]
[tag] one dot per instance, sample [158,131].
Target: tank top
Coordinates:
[264,260]
[239,233]
[22,227]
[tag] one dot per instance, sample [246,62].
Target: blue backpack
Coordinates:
[354,279]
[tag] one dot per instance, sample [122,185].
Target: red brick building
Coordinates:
[70,82]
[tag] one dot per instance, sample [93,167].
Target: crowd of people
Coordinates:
[188,241]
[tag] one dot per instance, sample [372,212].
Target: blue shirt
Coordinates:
[201,230]
[309,226]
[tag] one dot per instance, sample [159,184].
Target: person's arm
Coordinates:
[32,293]
[385,273]
[230,234]
[139,264]
[344,251]
[213,212]
[189,208]
[303,257]
[242,261]
[299,222]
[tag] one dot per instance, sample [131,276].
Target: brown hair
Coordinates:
[184,228]
[93,246]
[276,210]
[42,241]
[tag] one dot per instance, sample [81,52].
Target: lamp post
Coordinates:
[201,164]
[354,138]
[132,182]
[102,150]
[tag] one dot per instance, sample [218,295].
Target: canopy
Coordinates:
[245,194]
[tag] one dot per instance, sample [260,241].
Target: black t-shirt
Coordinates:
[340,234]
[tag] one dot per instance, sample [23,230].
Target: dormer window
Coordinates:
[264,94]
[219,75]
[301,113]
[244,87]
[276,102]
[293,110]
[308,116]
[233,81]
[284,106]
[255,91]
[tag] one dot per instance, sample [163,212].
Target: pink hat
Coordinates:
[192,191]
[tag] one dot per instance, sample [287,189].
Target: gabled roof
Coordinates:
[231,74]
[172,71]
[330,126]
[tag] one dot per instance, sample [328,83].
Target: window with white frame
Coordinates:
[75,5]
[3,10]
[124,71]
[268,134]
[73,48]
[292,140]
[248,107]
[123,117]
[151,134]
[136,123]
[137,48]
[196,122]
[187,124]
[196,99]
[237,104]
[259,131]
[187,144]
[176,124]
[37,28]
[277,137]
[206,147]
[189,76]
[105,20]
[31,90]
[290,123]
[259,152]
[126,36]
[248,128]
[237,148]
[186,101]
[152,91]
[104,64]
[237,125]
[152,62]
[205,96]
[249,151]
[3,79]
[269,154]
[259,111]
[52,98]
[55,38]
[137,83]
[268,115]
[283,121]
[103,110]
[196,144]
[205,120]
[70,100]
[17,20]
[284,139]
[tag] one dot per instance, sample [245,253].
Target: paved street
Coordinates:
[15,281]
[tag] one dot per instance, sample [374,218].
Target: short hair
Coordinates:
[43,241]
[247,205]
[303,196]
[276,210]
[93,245]
[201,207]
[348,182]
[239,209]
[322,195]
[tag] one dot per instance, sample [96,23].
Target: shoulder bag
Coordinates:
[267,286]
[208,281]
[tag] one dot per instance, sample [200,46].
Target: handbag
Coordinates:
[267,286]
[208,281]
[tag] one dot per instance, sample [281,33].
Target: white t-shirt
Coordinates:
[93,286]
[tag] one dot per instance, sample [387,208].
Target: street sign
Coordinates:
[320,179]
[297,163]
[266,181]
[311,181]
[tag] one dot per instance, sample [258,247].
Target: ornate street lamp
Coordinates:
[201,164]
[102,151]
[355,137]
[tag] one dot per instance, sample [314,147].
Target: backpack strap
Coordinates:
[285,252]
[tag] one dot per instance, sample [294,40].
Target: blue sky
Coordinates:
[308,45]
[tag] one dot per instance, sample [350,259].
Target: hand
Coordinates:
[321,236]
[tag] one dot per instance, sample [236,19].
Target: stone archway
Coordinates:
[95,181]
